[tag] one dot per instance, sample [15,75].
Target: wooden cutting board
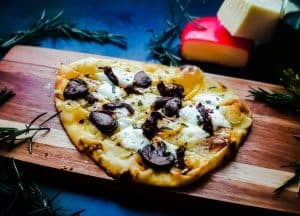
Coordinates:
[248,180]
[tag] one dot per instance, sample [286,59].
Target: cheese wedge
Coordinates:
[205,39]
[252,19]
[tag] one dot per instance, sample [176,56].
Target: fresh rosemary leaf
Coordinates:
[5,95]
[12,137]
[291,81]
[21,195]
[275,98]
[54,27]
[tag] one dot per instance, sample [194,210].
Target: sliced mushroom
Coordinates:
[160,102]
[174,90]
[75,89]
[110,74]
[150,125]
[90,98]
[141,79]
[205,118]
[131,90]
[156,156]
[180,152]
[104,121]
[113,106]
[172,107]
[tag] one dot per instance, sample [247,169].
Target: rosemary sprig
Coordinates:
[164,47]
[54,27]
[161,48]
[21,195]
[5,95]
[293,180]
[291,81]
[12,137]
[276,99]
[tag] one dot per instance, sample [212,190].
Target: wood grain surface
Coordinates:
[248,180]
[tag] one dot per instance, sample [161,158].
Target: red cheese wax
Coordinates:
[205,39]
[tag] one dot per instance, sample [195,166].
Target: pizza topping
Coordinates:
[90,98]
[141,79]
[75,89]
[150,125]
[108,91]
[131,90]
[160,102]
[157,156]
[110,74]
[113,106]
[174,90]
[104,121]
[192,134]
[132,138]
[205,118]
[172,107]
[180,157]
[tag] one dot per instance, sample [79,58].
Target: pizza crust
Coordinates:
[120,162]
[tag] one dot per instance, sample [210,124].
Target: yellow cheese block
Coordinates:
[252,19]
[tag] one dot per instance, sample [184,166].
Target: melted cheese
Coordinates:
[208,99]
[103,77]
[189,115]
[218,119]
[125,78]
[211,102]
[124,122]
[133,138]
[147,99]
[107,91]
[193,134]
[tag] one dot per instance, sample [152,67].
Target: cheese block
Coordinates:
[252,19]
[205,39]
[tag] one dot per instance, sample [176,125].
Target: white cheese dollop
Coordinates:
[189,115]
[109,92]
[211,102]
[133,138]
[125,78]
[193,134]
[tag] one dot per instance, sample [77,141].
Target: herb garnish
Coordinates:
[140,103]
[54,27]
[274,98]
[291,82]
[12,137]
[183,124]
[164,46]
[165,128]
[21,195]
[5,95]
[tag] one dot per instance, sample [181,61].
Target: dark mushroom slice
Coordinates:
[141,79]
[157,157]
[160,102]
[205,119]
[180,152]
[90,98]
[110,75]
[131,90]
[104,121]
[150,125]
[172,107]
[173,90]
[113,106]
[75,89]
